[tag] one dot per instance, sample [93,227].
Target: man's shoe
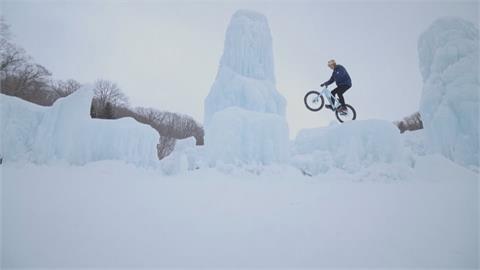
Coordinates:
[329,107]
[342,110]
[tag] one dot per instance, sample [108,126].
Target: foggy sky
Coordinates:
[165,54]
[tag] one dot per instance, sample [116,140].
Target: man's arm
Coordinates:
[327,83]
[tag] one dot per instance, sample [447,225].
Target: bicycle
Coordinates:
[315,100]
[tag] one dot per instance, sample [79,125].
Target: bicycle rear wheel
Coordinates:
[348,115]
[313,101]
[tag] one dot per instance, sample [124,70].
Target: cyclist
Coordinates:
[342,80]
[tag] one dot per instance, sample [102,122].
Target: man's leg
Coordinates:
[334,92]
[340,90]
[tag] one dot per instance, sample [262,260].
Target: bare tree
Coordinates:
[19,75]
[4,29]
[29,82]
[64,88]
[107,91]
[107,97]
[30,75]
[11,55]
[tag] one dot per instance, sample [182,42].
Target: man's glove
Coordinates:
[322,85]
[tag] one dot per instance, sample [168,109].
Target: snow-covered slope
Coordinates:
[245,76]
[66,132]
[449,51]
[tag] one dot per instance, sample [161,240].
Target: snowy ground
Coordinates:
[110,214]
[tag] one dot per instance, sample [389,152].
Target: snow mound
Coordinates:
[448,52]
[66,132]
[350,146]
[238,136]
[245,77]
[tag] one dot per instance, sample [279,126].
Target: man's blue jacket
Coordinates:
[340,77]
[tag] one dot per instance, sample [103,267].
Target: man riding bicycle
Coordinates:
[342,80]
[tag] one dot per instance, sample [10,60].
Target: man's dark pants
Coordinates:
[340,90]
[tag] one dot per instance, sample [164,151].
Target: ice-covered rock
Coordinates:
[245,76]
[448,52]
[236,135]
[66,132]
[350,146]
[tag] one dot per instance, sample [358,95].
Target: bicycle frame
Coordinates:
[328,96]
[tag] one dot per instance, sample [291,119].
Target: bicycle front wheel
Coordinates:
[313,101]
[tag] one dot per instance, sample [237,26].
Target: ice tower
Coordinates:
[244,112]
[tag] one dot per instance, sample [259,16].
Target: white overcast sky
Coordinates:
[165,54]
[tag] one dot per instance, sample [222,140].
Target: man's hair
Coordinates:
[332,61]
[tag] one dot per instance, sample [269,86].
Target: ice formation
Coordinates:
[66,132]
[237,135]
[449,106]
[245,77]
[350,146]
[244,112]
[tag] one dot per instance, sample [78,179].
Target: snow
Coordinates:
[350,146]
[245,76]
[238,136]
[65,132]
[112,214]
[448,52]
